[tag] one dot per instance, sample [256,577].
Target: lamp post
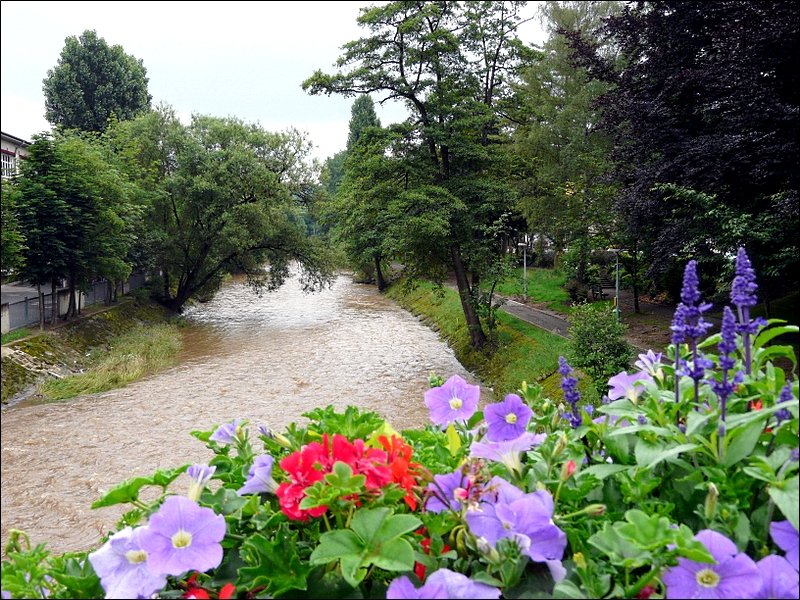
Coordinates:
[524,246]
[616,252]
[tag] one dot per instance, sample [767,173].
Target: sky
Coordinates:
[242,59]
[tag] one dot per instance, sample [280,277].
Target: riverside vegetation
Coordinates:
[682,483]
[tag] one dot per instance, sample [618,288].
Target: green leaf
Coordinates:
[770,333]
[786,495]
[227,500]
[741,441]
[274,564]
[649,455]
[394,555]
[601,471]
[567,591]
[128,491]
[453,440]
[334,545]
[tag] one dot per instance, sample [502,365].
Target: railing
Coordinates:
[26,312]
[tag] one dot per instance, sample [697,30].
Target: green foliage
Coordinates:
[94,83]
[597,344]
[15,335]
[12,238]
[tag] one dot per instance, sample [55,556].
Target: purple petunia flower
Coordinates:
[508,419]
[259,477]
[734,575]
[123,568]
[183,536]
[447,492]
[227,432]
[625,386]
[442,583]
[525,518]
[456,400]
[650,363]
[508,451]
[199,474]
[779,579]
[787,539]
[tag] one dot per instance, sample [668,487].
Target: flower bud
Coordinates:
[568,470]
[595,510]
[710,504]
[579,560]
[561,444]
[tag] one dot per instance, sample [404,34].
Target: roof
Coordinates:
[15,139]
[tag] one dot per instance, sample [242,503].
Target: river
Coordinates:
[266,359]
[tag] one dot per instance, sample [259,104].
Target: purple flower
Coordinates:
[123,567]
[784,414]
[456,400]
[733,575]
[571,394]
[786,538]
[507,452]
[443,583]
[779,579]
[624,385]
[743,290]
[227,432]
[650,364]
[524,518]
[199,474]
[183,536]
[508,419]
[447,492]
[727,347]
[259,477]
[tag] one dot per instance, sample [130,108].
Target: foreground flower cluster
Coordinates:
[683,483]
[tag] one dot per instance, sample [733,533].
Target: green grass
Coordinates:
[545,286]
[17,334]
[132,355]
[520,352]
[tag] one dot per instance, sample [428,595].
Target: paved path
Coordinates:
[543,319]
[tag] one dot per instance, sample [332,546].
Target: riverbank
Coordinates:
[99,351]
[520,351]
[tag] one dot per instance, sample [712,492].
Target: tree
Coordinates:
[75,209]
[92,83]
[703,108]
[224,199]
[564,193]
[451,64]
[12,240]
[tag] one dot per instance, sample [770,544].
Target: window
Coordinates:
[9,165]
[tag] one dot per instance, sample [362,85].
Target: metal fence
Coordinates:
[26,312]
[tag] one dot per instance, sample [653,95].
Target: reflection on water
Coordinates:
[267,359]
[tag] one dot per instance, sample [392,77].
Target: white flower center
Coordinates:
[456,403]
[182,539]
[707,578]
[511,418]
[136,557]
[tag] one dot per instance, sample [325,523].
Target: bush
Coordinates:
[597,343]
[577,291]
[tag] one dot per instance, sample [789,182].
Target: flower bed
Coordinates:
[684,483]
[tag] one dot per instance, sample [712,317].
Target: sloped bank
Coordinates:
[520,351]
[77,347]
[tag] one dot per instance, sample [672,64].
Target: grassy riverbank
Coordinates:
[95,353]
[522,352]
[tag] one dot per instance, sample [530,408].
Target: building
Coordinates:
[13,149]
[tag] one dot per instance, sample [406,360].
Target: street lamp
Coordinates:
[524,246]
[616,252]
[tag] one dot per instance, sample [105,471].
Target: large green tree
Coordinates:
[225,197]
[451,63]
[565,158]
[12,239]
[703,108]
[76,211]
[93,83]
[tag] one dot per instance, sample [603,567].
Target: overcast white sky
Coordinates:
[243,59]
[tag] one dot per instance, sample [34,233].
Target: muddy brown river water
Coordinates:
[266,359]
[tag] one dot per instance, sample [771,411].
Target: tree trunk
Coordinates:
[379,273]
[40,297]
[54,302]
[72,311]
[477,336]
[109,292]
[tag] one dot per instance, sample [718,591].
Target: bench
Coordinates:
[597,292]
